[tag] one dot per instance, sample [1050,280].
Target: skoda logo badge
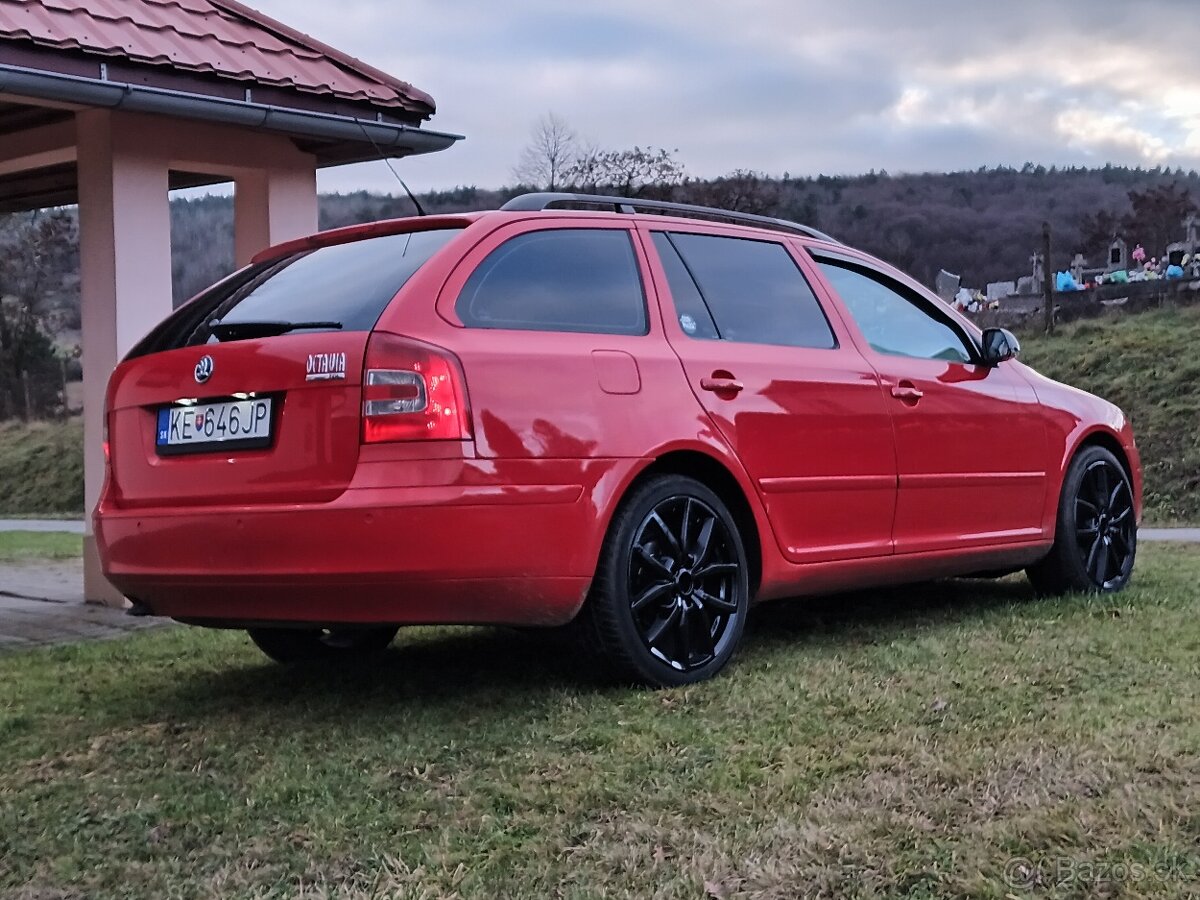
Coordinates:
[204,369]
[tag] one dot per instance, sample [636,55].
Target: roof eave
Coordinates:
[388,138]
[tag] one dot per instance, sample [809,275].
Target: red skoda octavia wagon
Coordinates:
[637,418]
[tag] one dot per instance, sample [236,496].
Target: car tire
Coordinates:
[668,604]
[308,645]
[1095,541]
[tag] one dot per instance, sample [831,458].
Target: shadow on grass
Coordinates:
[494,671]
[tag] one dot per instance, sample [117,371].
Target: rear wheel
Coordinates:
[1096,536]
[668,604]
[300,645]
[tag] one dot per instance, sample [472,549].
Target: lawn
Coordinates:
[958,739]
[16,546]
[41,468]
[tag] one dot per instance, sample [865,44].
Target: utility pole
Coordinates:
[1047,284]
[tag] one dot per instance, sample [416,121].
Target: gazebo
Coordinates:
[112,103]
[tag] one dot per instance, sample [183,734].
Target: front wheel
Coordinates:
[306,645]
[1096,535]
[669,600]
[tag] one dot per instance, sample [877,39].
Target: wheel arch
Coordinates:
[721,478]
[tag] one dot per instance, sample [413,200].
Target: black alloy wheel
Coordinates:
[307,645]
[1096,541]
[669,602]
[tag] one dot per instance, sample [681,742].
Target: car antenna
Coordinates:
[392,169]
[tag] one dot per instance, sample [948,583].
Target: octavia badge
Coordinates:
[204,369]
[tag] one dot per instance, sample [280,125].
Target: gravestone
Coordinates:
[1118,256]
[1039,269]
[947,285]
[1077,265]
[1027,287]
[998,290]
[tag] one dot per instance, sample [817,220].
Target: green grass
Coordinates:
[22,545]
[41,468]
[906,743]
[1148,365]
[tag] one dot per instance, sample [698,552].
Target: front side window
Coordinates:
[569,279]
[893,319]
[752,290]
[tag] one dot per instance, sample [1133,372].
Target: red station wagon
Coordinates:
[638,418]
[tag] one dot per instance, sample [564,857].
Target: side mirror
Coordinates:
[999,344]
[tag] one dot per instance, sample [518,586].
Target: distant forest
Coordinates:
[982,225]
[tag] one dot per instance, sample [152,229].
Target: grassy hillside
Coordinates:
[1147,364]
[41,468]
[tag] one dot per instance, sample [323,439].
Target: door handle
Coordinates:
[721,384]
[907,392]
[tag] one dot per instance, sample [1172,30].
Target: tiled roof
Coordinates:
[222,38]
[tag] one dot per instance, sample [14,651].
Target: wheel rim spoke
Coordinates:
[1094,558]
[715,569]
[704,542]
[720,603]
[704,631]
[672,540]
[653,561]
[653,594]
[654,635]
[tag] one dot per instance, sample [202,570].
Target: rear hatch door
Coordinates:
[251,393]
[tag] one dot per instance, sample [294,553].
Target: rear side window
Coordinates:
[348,283]
[754,291]
[569,279]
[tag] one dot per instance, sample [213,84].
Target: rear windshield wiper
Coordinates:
[241,331]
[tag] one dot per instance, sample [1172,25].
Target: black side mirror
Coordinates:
[999,344]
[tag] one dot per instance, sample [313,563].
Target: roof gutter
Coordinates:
[392,139]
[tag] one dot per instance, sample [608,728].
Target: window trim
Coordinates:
[919,300]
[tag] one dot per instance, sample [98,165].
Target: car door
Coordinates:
[801,408]
[970,442]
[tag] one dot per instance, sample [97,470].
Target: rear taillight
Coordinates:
[412,392]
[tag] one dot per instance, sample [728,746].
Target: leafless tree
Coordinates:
[552,148]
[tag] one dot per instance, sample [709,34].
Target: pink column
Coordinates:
[125,277]
[272,205]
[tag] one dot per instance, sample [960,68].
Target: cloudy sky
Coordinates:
[783,85]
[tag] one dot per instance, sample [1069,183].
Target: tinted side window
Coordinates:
[755,291]
[576,279]
[694,317]
[892,319]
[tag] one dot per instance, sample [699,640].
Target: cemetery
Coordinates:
[1132,279]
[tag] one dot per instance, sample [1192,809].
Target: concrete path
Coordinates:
[41,603]
[1169,534]
[70,526]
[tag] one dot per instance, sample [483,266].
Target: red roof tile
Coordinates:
[217,37]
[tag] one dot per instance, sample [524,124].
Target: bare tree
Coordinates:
[650,172]
[552,148]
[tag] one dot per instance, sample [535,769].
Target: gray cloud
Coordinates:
[775,85]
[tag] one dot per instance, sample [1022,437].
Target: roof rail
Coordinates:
[543,200]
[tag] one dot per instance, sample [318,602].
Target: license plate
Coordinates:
[222,425]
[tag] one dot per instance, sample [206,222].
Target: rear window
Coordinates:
[349,283]
[569,279]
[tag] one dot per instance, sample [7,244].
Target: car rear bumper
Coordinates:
[513,554]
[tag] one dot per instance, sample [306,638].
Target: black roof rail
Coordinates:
[543,200]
